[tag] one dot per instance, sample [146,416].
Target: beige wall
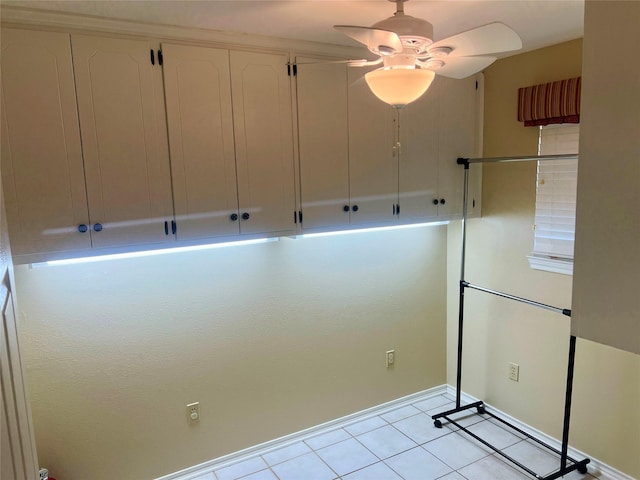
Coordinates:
[606,301]
[605,418]
[270,339]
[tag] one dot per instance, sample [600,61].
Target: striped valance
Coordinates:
[547,103]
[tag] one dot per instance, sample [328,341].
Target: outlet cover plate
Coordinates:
[514,372]
[390,357]
[193,412]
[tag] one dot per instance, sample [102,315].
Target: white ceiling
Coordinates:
[540,23]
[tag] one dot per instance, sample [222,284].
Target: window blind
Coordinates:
[556,193]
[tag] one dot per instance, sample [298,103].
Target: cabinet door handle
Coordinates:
[442,201]
[345,208]
[245,216]
[82,228]
[233,217]
[174,227]
[166,227]
[355,208]
[97,227]
[398,209]
[435,201]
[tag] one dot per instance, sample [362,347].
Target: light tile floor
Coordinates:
[402,444]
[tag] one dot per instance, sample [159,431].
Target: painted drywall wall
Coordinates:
[605,296]
[270,339]
[605,420]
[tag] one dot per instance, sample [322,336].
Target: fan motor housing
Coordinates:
[415,33]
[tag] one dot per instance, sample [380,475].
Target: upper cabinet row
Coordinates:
[364,163]
[105,149]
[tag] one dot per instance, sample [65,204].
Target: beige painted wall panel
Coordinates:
[607,252]
[605,419]
[270,339]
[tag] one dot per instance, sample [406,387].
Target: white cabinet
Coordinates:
[418,157]
[200,123]
[400,165]
[323,141]
[124,144]
[348,160]
[459,131]
[230,133]
[436,130]
[42,166]
[263,129]
[373,155]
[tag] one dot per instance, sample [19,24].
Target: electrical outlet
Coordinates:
[391,357]
[193,412]
[514,372]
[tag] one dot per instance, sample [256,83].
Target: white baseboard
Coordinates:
[598,469]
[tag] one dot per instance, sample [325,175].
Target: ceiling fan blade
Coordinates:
[362,62]
[382,42]
[492,38]
[463,67]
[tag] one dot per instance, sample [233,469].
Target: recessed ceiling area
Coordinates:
[539,23]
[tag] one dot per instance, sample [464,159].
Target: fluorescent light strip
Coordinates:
[149,253]
[369,230]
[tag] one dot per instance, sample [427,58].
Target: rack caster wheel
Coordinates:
[437,423]
[481,410]
[582,469]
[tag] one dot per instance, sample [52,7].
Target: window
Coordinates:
[555,216]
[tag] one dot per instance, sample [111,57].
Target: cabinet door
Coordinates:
[457,138]
[324,143]
[200,120]
[264,142]
[418,169]
[41,155]
[373,163]
[125,152]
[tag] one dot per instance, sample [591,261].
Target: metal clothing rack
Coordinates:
[567,463]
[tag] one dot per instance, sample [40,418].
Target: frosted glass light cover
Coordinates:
[399,86]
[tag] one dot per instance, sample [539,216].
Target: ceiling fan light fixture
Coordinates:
[399,86]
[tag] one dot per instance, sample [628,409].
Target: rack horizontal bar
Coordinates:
[564,311]
[529,158]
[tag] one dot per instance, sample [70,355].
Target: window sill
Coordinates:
[549,264]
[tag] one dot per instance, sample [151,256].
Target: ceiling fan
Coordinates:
[410,59]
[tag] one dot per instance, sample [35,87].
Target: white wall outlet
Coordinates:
[391,357]
[514,372]
[193,412]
